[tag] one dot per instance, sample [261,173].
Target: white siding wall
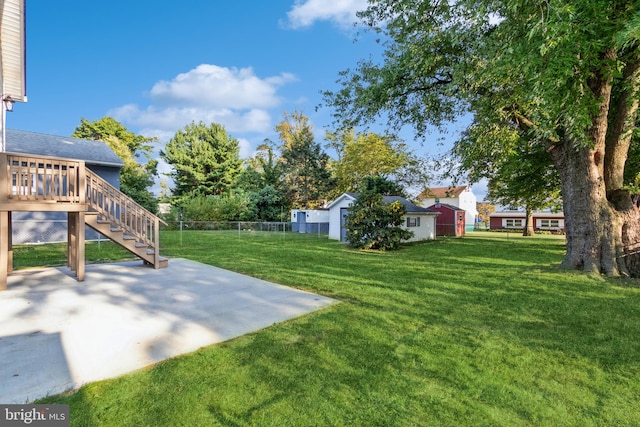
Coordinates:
[334,217]
[427,229]
[468,202]
[445,200]
[313,215]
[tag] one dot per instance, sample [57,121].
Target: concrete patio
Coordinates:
[57,333]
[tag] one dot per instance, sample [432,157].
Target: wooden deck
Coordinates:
[50,184]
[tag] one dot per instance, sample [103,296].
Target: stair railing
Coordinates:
[122,212]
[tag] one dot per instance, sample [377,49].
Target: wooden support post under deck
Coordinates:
[75,243]
[4,248]
[10,248]
[71,243]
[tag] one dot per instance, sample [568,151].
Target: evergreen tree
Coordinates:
[307,175]
[205,160]
[373,224]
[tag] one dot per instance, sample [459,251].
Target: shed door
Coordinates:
[302,222]
[461,223]
[343,230]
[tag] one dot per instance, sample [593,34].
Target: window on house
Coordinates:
[549,223]
[513,223]
[413,221]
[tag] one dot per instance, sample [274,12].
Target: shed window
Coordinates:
[413,221]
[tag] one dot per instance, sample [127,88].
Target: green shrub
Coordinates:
[373,224]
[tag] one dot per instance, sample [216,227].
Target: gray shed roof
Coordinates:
[409,207]
[92,152]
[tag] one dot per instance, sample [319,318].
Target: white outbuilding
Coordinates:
[421,221]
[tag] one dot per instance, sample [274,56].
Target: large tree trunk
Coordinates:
[594,230]
[601,220]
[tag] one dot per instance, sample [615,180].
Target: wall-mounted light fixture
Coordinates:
[8,104]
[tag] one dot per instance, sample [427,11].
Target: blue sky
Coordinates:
[158,66]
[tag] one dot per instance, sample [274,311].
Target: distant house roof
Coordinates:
[409,207]
[443,192]
[447,206]
[92,152]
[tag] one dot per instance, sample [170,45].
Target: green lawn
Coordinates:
[478,331]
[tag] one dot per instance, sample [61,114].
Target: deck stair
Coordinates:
[122,220]
[35,183]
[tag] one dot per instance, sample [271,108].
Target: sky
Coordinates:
[158,66]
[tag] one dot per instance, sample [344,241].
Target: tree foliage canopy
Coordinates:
[306,172]
[365,155]
[135,178]
[205,160]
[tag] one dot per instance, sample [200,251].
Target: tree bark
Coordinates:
[602,228]
[528,225]
[593,229]
[602,220]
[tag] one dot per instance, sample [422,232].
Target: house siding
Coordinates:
[542,221]
[466,201]
[335,229]
[427,229]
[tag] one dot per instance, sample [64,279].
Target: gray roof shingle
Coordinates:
[92,152]
[409,207]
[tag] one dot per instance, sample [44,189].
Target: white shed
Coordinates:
[421,221]
[310,220]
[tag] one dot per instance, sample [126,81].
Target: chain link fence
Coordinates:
[34,231]
[247,229]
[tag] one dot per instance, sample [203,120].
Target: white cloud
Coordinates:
[221,87]
[245,148]
[342,12]
[175,118]
[235,98]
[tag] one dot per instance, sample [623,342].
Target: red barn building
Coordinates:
[542,221]
[451,220]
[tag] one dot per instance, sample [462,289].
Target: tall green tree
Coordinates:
[263,179]
[365,155]
[566,72]
[262,169]
[205,160]
[306,165]
[135,178]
